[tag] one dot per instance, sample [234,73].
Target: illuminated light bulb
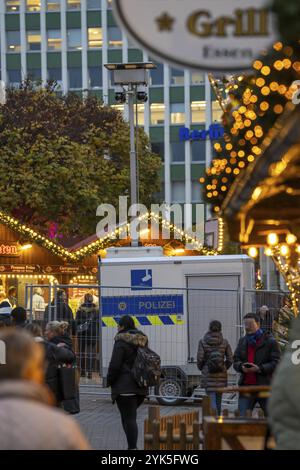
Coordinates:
[250,158]
[272,239]
[268,252]
[265,91]
[291,239]
[215,193]
[287,63]
[298,249]
[252,252]
[236,171]
[296,66]
[228,146]
[278,65]
[278,46]
[202,180]
[242,164]
[223,188]
[265,70]
[257,65]
[241,153]
[274,86]
[284,250]
[217,209]
[282,89]
[228,170]
[260,82]
[278,109]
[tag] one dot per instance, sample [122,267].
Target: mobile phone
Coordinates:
[247,365]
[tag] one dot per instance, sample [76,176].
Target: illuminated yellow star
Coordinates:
[165,22]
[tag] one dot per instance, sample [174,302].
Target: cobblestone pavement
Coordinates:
[100,421]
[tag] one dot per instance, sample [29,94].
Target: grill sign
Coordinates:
[210,35]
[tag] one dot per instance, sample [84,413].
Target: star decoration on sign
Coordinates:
[165,22]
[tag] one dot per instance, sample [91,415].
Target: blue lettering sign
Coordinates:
[142,305]
[214,132]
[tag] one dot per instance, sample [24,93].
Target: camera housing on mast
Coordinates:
[131,73]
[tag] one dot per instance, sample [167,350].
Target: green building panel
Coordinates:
[74,59]
[115,56]
[97,93]
[176,94]
[33,61]
[13,61]
[198,93]
[94,58]
[94,19]
[111,97]
[177,173]
[32,21]
[73,19]
[12,22]
[156,95]
[197,170]
[174,133]
[110,19]
[53,21]
[156,134]
[53,60]
[135,55]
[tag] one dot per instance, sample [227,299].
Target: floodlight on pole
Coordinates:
[131,80]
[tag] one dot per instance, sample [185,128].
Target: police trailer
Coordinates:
[172,300]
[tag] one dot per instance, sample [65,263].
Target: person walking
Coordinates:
[87,329]
[60,310]
[28,420]
[214,358]
[125,391]
[255,358]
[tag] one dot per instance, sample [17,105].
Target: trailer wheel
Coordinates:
[169,390]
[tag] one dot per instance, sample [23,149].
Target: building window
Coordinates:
[197,78]
[33,5]
[34,74]
[178,191]
[198,111]
[196,191]
[74,39]
[55,74]
[14,78]
[33,41]
[177,113]
[157,75]
[75,77]
[95,37]
[157,112]
[114,37]
[93,4]
[198,151]
[177,152]
[54,39]
[176,77]
[73,5]
[53,5]
[95,77]
[13,42]
[159,149]
[217,112]
[12,5]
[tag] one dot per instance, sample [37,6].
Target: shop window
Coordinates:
[95,77]
[12,6]
[177,152]
[157,113]
[73,5]
[176,77]
[74,39]
[75,77]
[53,5]
[33,5]
[33,41]
[54,39]
[114,37]
[13,41]
[197,78]
[177,113]
[95,38]
[198,111]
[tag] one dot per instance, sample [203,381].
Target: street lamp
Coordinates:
[131,81]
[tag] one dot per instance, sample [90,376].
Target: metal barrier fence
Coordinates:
[173,319]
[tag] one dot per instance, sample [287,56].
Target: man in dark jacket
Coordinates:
[125,391]
[87,328]
[256,358]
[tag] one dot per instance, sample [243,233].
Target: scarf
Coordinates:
[252,339]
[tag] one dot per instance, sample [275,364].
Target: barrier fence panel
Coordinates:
[173,319]
[274,300]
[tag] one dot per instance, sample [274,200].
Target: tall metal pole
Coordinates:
[133,165]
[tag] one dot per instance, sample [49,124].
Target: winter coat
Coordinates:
[267,356]
[284,403]
[123,356]
[85,313]
[27,422]
[63,313]
[213,341]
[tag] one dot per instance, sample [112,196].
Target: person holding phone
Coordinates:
[255,358]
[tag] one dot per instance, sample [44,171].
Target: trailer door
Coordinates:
[214,297]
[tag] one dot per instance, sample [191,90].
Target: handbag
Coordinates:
[67,382]
[84,327]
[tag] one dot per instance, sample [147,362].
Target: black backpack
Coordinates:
[215,362]
[5,319]
[146,369]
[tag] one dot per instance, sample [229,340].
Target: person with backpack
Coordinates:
[214,358]
[133,367]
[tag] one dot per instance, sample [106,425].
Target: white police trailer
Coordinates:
[172,300]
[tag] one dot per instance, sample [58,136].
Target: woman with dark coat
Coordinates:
[125,391]
[214,359]
[87,328]
[62,309]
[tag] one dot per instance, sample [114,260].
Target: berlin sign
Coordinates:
[208,35]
